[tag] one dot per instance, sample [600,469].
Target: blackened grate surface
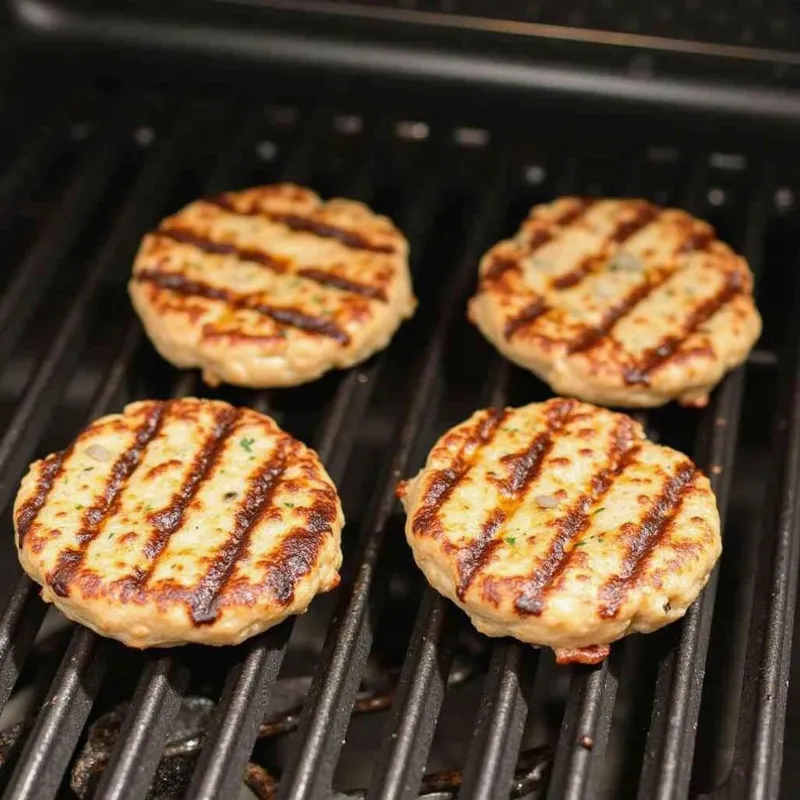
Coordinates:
[382,688]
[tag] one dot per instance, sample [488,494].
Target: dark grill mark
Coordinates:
[528,314]
[203,604]
[538,238]
[324,278]
[277,264]
[187,236]
[499,266]
[298,552]
[297,222]
[523,469]
[169,520]
[657,356]
[625,230]
[70,561]
[444,481]
[698,241]
[587,266]
[590,337]
[178,283]
[573,524]
[29,510]
[575,213]
[647,538]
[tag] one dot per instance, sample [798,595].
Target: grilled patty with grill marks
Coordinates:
[618,302]
[180,521]
[560,524]
[270,286]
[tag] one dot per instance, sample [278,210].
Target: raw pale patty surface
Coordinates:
[180,521]
[618,302]
[560,524]
[270,286]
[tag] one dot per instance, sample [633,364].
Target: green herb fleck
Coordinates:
[79,506]
[597,511]
[289,505]
[247,444]
[512,540]
[110,535]
[581,543]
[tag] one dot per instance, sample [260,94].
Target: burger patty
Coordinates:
[560,524]
[270,286]
[180,521]
[618,302]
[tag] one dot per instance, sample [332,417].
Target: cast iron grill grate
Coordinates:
[382,688]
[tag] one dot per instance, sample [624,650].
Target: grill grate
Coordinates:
[697,709]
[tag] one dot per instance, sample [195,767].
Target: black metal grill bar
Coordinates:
[584,730]
[157,175]
[494,750]
[21,619]
[144,733]
[222,761]
[330,700]
[421,688]
[417,702]
[159,692]
[667,767]
[42,394]
[60,722]
[759,745]
[573,763]
[33,275]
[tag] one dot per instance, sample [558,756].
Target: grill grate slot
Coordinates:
[567,722]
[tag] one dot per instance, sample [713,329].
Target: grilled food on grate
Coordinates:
[560,524]
[270,286]
[180,521]
[618,302]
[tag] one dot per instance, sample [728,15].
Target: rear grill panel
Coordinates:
[74,202]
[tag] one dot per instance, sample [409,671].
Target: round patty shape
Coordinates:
[180,521]
[560,524]
[618,302]
[270,286]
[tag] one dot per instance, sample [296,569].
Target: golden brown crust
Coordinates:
[270,286]
[618,302]
[560,524]
[181,520]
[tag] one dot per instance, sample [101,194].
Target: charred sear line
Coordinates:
[591,337]
[183,235]
[444,481]
[622,453]
[645,214]
[71,560]
[277,264]
[298,552]
[203,603]
[594,261]
[523,469]
[651,532]
[657,356]
[178,283]
[529,314]
[29,510]
[324,278]
[303,224]
[169,520]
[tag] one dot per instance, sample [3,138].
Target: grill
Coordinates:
[383,689]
